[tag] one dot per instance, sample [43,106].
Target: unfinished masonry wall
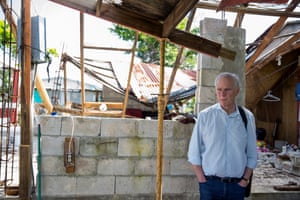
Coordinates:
[115,159]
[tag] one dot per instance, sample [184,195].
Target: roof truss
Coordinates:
[158,26]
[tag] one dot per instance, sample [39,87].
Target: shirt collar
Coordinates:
[236,112]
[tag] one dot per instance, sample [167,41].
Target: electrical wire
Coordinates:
[72,135]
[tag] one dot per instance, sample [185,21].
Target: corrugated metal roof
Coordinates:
[145,81]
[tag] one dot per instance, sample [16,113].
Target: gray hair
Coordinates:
[229,75]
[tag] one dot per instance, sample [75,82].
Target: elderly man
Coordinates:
[222,148]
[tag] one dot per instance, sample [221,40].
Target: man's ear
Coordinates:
[237,91]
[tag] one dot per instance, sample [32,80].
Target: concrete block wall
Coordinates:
[115,159]
[209,67]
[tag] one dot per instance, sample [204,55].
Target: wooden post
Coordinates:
[26,100]
[129,75]
[64,66]
[161,106]
[82,61]
[25,172]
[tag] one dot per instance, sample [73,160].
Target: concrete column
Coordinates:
[208,66]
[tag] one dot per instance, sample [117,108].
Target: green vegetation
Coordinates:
[148,47]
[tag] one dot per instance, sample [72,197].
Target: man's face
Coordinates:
[226,92]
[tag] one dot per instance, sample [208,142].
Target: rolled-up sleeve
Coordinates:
[251,146]
[194,151]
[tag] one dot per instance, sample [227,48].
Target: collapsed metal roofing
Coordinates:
[144,85]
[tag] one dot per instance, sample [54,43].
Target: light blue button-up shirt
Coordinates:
[221,144]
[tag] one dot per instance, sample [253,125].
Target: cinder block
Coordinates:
[96,146]
[182,131]
[80,126]
[168,128]
[208,77]
[52,146]
[52,165]
[85,166]
[174,148]
[135,184]
[181,167]
[95,185]
[179,185]
[115,167]
[207,95]
[58,185]
[173,185]
[116,127]
[136,147]
[50,125]
[149,128]
[212,28]
[192,185]
[148,167]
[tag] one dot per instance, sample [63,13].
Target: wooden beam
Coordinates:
[281,50]
[200,44]
[109,105]
[117,15]
[112,113]
[106,48]
[239,18]
[249,10]
[98,7]
[177,14]
[268,37]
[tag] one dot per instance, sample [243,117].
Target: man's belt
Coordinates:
[224,179]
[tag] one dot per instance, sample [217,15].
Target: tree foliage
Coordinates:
[148,47]
[7,39]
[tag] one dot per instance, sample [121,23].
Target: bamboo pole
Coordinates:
[82,60]
[43,92]
[25,172]
[129,74]
[64,65]
[161,103]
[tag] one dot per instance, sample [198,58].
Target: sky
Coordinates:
[63,25]
[63,31]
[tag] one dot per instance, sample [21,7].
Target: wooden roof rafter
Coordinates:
[269,36]
[287,46]
[249,10]
[159,27]
[177,14]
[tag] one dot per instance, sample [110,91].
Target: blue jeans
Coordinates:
[217,190]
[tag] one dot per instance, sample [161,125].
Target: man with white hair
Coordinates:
[222,148]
